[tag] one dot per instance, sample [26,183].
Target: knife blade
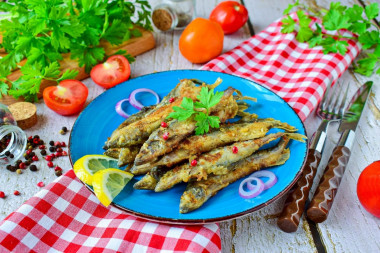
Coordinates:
[325,193]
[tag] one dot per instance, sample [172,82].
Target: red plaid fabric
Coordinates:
[294,71]
[66,217]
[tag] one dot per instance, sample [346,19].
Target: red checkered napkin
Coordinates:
[66,216]
[294,71]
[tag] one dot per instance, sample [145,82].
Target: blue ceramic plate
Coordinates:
[99,119]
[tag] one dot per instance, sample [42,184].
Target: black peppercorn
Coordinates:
[7,153]
[33,167]
[52,149]
[51,143]
[11,156]
[43,152]
[58,173]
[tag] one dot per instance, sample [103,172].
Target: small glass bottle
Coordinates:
[12,138]
[173,14]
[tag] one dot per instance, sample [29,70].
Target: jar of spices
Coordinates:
[173,14]
[12,138]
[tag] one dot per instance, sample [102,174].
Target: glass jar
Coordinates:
[173,14]
[12,138]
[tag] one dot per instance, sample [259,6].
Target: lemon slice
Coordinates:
[88,165]
[108,184]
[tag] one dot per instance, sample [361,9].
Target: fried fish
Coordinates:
[198,192]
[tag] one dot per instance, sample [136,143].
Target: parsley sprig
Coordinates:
[355,19]
[200,109]
[42,30]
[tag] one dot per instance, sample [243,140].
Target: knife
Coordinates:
[323,199]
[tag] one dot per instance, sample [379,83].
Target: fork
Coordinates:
[331,108]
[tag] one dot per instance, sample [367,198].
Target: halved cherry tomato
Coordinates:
[201,41]
[112,72]
[368,188]
[67,98]
[230,15]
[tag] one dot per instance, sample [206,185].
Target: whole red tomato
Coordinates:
[368,188]
[201,41]
[230,15]
[112,72]
[67,98]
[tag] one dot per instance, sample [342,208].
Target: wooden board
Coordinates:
[134,46]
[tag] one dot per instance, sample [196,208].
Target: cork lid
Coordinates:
[24,113]
[162,19]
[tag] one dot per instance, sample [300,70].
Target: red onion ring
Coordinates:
[136,104]
[120,110]
[256,189]
[272,179]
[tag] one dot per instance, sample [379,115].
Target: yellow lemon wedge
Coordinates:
[88,165]
[108,184]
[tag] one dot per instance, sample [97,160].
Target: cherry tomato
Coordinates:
[230,15]
[368,188]
[201,41]
[67,98]
[112,72]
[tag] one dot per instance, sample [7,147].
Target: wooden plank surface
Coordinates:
[349,227]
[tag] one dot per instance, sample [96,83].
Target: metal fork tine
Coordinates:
[333,98]
[325,96]
[338,96]
[343,103]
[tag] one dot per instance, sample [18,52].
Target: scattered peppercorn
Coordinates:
[42,147]
[33,167]
[194,162]
[2,194]
[58,173]
[36,137]
[19,171]
[57,168]
[22,165]
[235,149]
[35,158]
[164,124]
[48,157]
[51,143]
[40,184]
[50,164]
[9,167]
[64,129]
[28,152]
[16,193]
[171,100]
[52,149]
[64,153]
[43,152]
[63,144]
[11,156]
[27,163]
[7,153]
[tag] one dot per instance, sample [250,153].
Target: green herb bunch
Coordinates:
[42,30]
[355,19]
[200,109]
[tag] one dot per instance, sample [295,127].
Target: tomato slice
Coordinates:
[112,72]
[67,98]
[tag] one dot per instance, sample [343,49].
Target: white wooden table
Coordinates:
[349,228]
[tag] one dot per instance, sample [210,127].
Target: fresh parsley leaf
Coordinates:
[368,39]
[185,111]
[358,27]
[304,20]
[4,87]
[372,10]
[366,66]
[304,34]
[202,124]
[335,20]
[334,46]
[288,25]
[68,74]
[354,13]
[290,7]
